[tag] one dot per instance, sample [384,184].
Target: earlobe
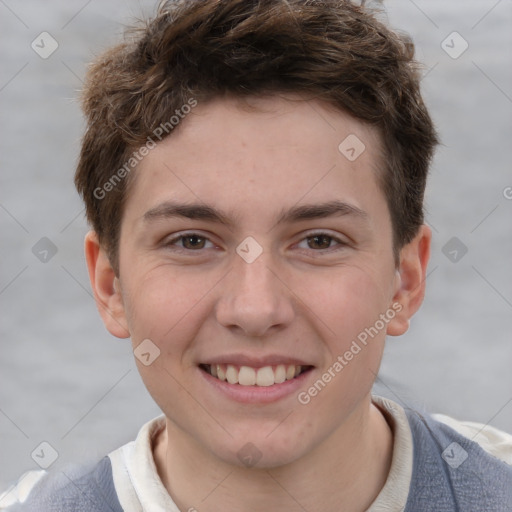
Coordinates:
[106,288]
[410,281]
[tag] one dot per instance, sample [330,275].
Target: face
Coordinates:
[253,246]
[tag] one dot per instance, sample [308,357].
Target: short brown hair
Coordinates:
[329,50]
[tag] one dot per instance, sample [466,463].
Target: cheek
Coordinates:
[346,303]
[164,305]
[168,309]
[354,342]
[349,310]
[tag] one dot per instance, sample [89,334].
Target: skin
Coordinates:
[302,296]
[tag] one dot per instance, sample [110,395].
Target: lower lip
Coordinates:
[256,394]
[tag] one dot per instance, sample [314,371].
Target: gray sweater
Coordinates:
[451,473]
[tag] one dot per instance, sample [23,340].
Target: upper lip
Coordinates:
[255,361]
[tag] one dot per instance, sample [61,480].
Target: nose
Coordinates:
[255,298]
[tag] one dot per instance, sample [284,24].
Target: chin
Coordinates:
[259,450]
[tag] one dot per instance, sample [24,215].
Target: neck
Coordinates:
[346,471]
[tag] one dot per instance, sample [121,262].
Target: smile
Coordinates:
[248,376]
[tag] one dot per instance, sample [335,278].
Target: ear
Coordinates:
[410,281]
[105,286]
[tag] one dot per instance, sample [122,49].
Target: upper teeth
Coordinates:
[247,376]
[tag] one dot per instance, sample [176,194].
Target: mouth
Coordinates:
[256,377]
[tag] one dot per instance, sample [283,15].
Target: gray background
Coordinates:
[66,381]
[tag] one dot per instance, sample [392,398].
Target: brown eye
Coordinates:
[188,242]
[193,241]
[321,241]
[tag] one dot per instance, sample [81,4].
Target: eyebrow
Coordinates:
[198,211]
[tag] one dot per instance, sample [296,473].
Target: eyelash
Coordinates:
[341,243]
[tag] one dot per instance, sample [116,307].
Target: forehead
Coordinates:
[261,154]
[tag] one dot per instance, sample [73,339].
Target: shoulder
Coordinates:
[451,469]
[494,441]
[79,488]
[104,485]
[18,492]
